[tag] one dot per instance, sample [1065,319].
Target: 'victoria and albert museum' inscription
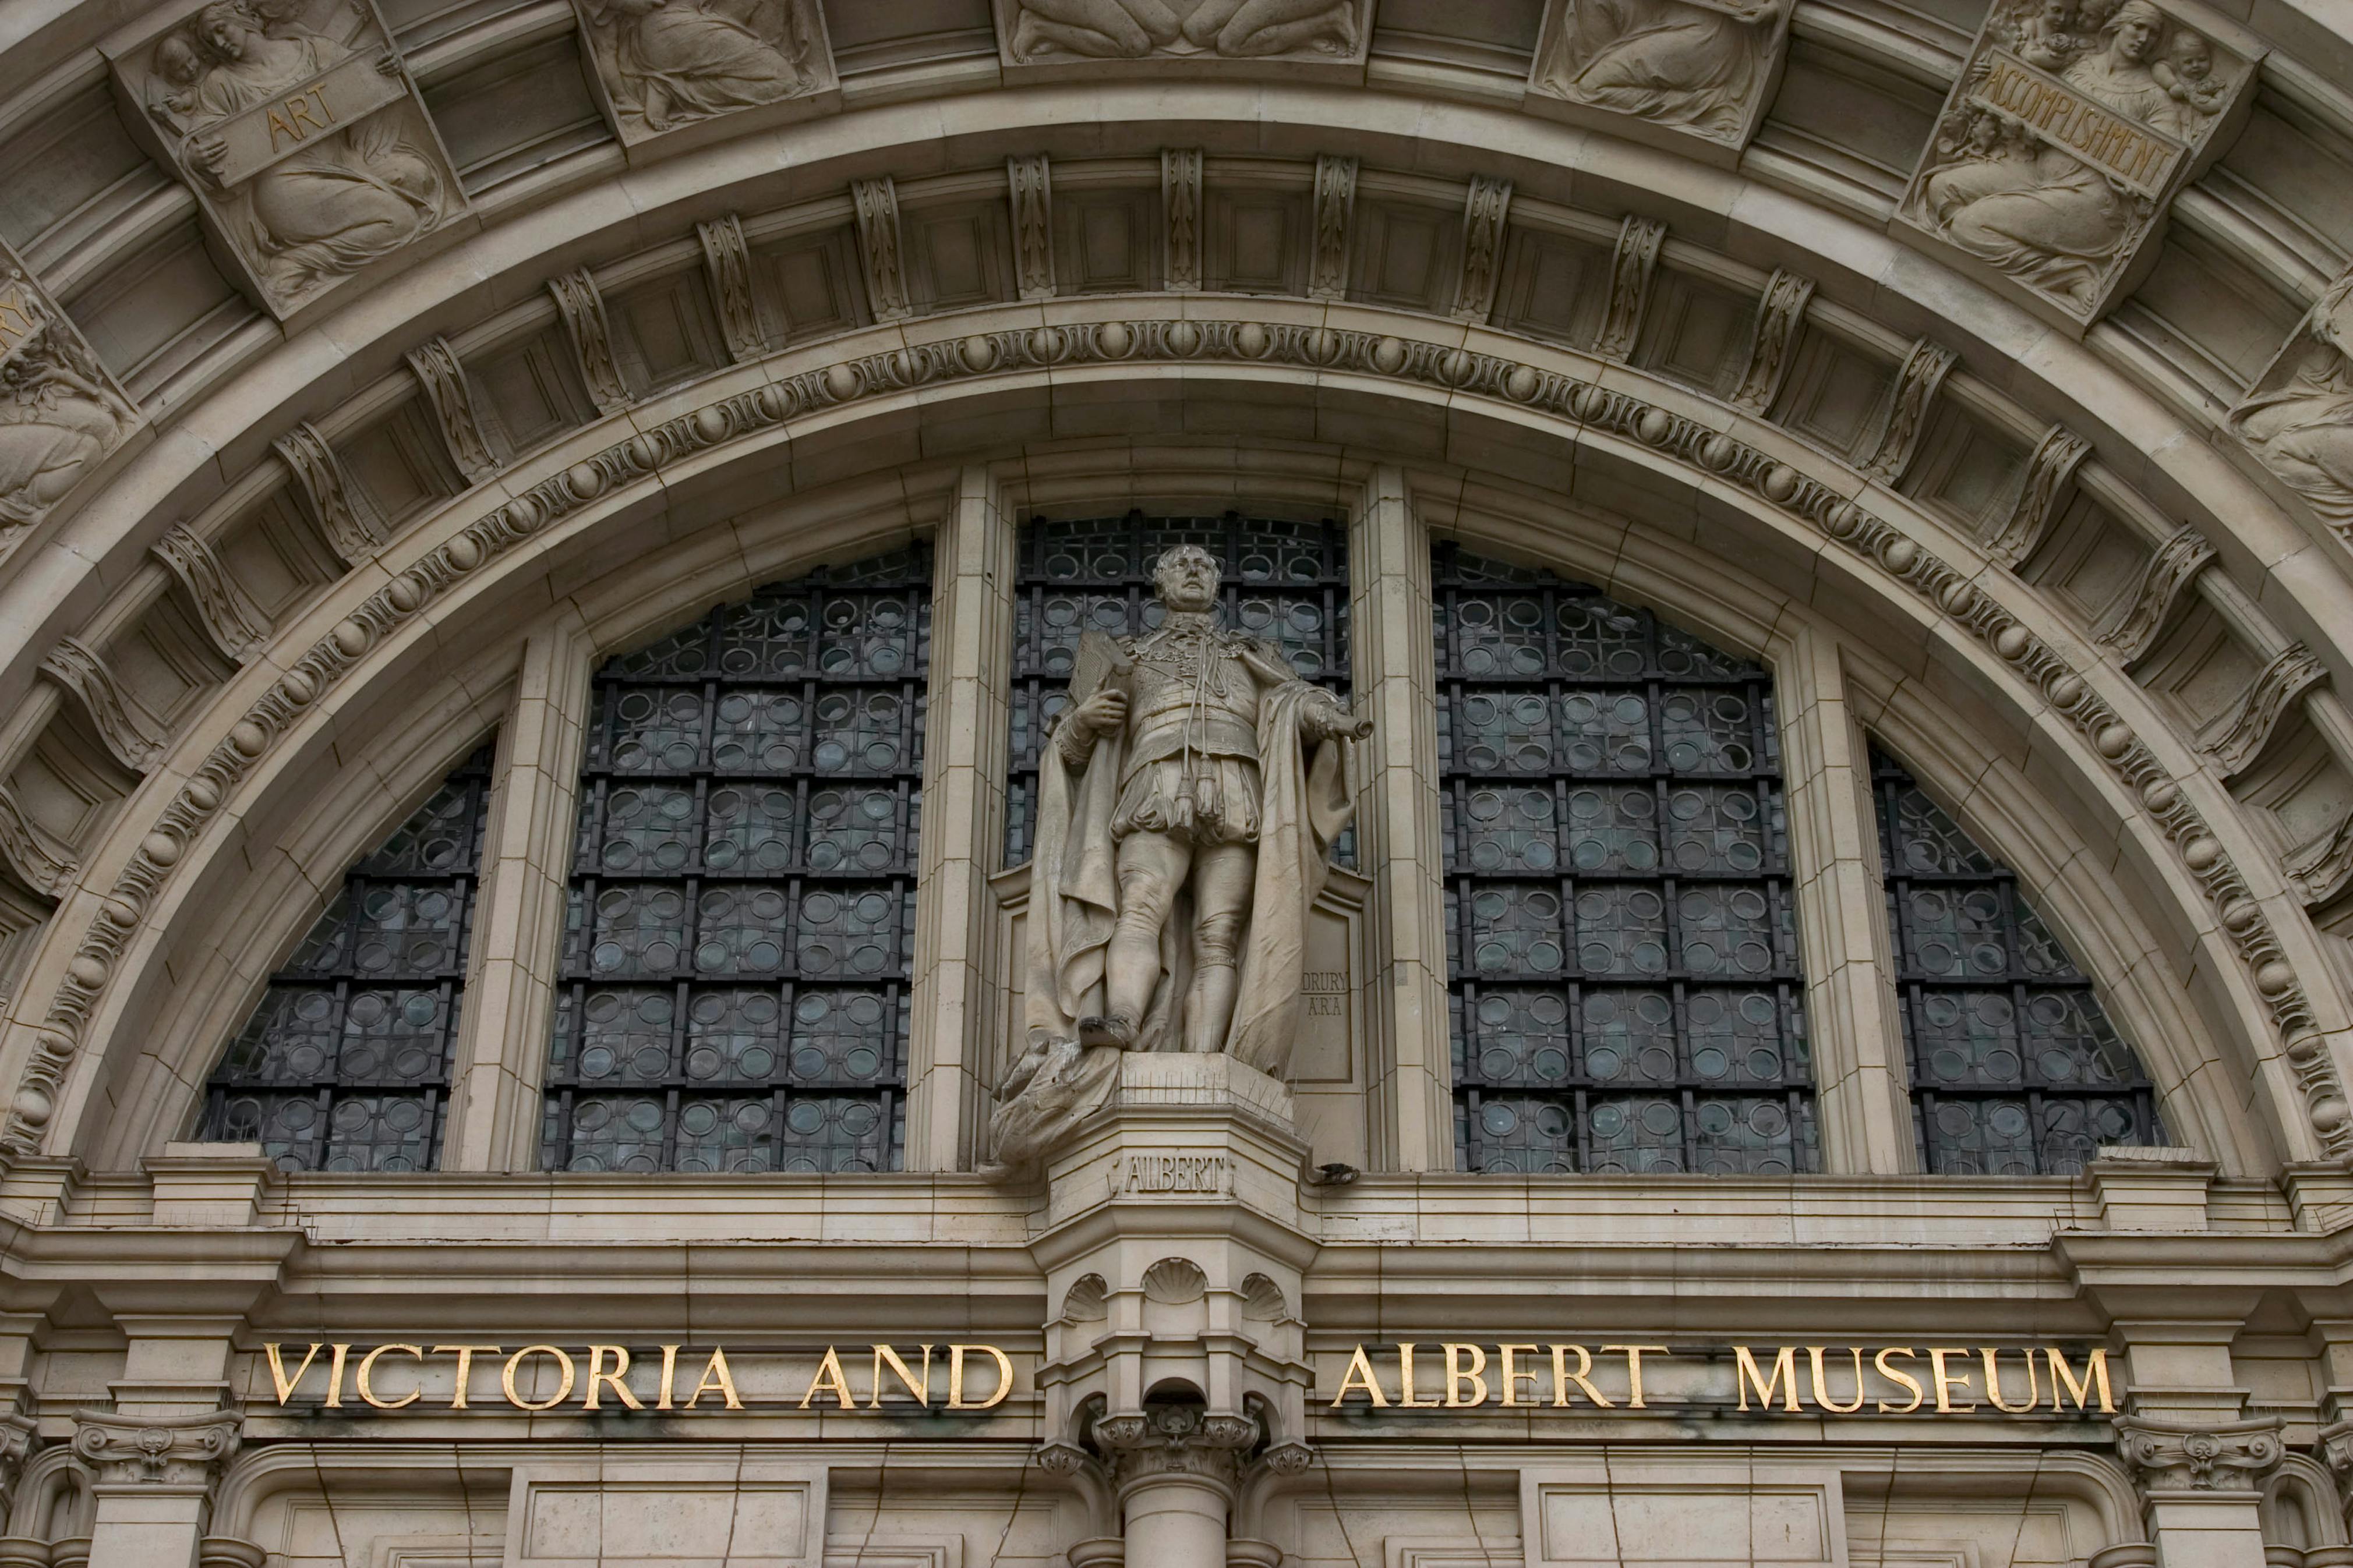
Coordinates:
[1776,1380]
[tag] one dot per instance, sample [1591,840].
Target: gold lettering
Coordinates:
[277,1378]
[1562,1377]
[1748,1374]
[13,305]
[297,109]
[716,1377]
[278,128]
[507,1377]
[612,1379]
[2095,1374]
[1993,1383]
[1902,1379]
[334,1400]
[829,1375]
[1821,1384]
[1457,1374]
[367,1372]
[886,1356]
[670,1370]
[1406,1401]
[1634,1370]
[1360,1375]
[465,1354]
[956,1400]
[1947,1382]
[1510,1376]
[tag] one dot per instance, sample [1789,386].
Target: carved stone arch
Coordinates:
[2300,1505]
[52,1500]
[621,535]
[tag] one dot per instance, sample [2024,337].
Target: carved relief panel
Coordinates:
[1068,34]
[300,130]
[2297,418]
[2071,127]
[663,65]
[1682,70]
[60,413]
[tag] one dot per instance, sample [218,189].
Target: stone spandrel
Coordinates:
[1696,75]
[2073,125]
[1072,38]
[662,67]
[300,130]
[61,414]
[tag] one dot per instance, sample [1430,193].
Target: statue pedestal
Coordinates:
[1185,1130]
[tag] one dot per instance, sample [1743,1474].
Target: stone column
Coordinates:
[1177,1471]
[494,1101]
[964,825]
[1412,1109]
[153,1483]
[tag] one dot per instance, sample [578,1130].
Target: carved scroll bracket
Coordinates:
[1335,204]
[1639,240]
[135,736]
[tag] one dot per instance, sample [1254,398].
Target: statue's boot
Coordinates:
[1100,1030]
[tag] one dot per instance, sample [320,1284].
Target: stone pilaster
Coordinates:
[152,1482]
[2200,1486]
[1411,1112]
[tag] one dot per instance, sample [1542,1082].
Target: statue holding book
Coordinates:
[1187,801]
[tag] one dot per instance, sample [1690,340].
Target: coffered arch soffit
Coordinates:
[1664,495]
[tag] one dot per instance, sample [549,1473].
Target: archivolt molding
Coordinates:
[1870,528]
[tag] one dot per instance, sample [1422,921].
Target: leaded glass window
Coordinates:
[344,1065]
[1285,581]
[2016,1069]
[1623,959]
[732,989]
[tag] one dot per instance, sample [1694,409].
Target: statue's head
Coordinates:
[2136,27]
[1187,578]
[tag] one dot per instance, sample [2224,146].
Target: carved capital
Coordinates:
[1177,1440]
[1636,258]
[878,248]
[1032,181]
[17,1441]
[177,1451]
[2217,1457]
[135,735]
[1335,203]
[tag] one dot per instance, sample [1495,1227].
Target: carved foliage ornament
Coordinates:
[2072,125]
[2227,1455]
[582,307]
[1335,203]
[1180,195]
[1483,214]
[1699,68]
[301,132]
[319,474]
[879,249]
[1289,33]
[1639,240]
[1031,182]
[2169,813]
[727,262]
[665,64]
[1772,347]
[60,413]
[228,616]
[453,402]
[182,1451]
[1177,1439]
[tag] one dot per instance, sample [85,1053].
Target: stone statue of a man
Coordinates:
[1186,801]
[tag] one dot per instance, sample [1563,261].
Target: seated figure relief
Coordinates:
[2011,190]
[2299,416]
[1700,65]
[1226,29]
[313,175]
[667,63]
[58,414]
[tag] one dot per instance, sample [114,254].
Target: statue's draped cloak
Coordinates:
[1074,903]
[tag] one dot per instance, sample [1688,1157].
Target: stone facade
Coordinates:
[1963,395]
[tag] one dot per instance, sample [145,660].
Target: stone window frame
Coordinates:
[961,979]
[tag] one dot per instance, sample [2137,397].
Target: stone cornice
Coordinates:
[1592,403]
